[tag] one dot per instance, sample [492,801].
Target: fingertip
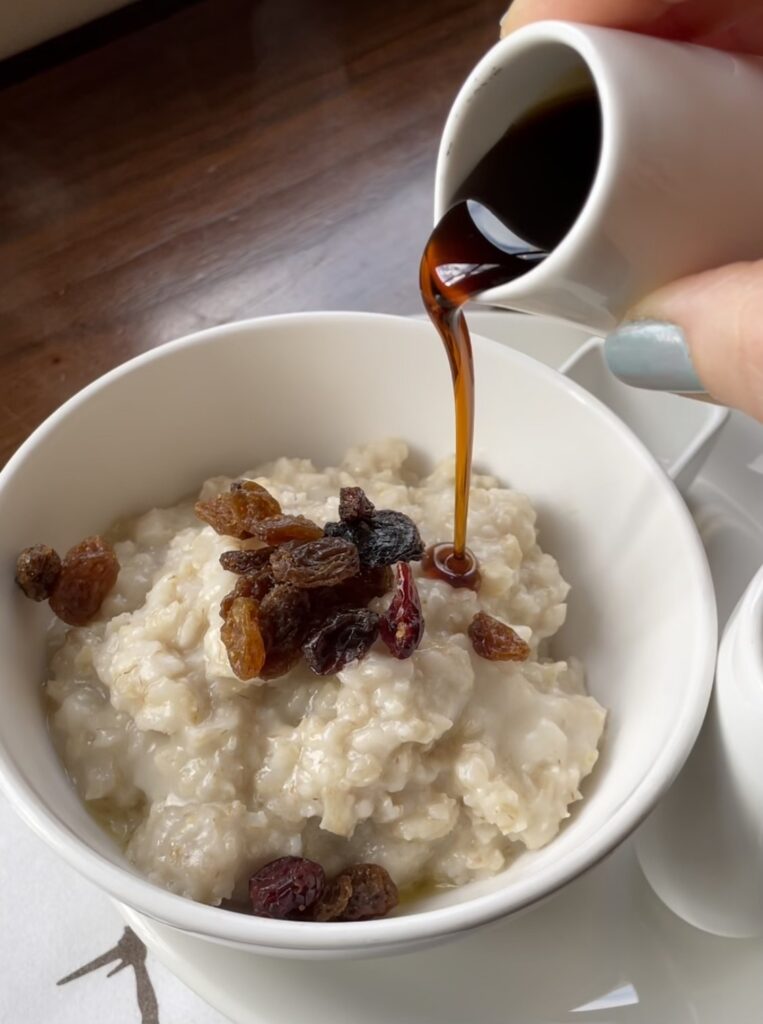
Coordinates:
[720,316]
[516,16]
[653,354]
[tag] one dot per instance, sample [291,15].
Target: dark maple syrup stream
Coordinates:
[515,206]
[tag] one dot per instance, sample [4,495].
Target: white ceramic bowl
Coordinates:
[642,612]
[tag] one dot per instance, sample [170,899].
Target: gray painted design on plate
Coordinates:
[129,952]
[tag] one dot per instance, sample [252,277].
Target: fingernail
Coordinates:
[652,354]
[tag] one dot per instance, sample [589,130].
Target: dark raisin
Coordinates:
[402,626]
[278,530]
[354,505]
[227,602]
[37,569]
[355,592]
[494,640]
[243,562]
[319,563]
[88,572]
[343,637]
[373,894]
[240,632]
[284,621]
[384,538]
[368,584]
[286,888]
[254,585]
[334,900]
[235,513]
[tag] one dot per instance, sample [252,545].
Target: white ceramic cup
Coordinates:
[312,385]
[678,185]
[702,848]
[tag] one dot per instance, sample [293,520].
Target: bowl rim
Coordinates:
[427,925]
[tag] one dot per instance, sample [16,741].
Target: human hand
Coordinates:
[704,333]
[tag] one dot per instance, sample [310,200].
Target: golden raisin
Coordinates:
[260,502]
[240,633]
[373,894]
[334,899]
[88,572]
[37,569]
[494,640]
[235,513]
[319,563]
[278,530]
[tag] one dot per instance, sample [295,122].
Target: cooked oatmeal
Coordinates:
[439,767]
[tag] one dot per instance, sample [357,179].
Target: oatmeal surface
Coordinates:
[439,768]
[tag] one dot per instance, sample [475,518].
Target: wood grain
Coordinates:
[233,159]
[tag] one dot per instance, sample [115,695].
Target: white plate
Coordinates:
[602,950]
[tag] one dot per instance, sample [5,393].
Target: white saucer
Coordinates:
[604,949]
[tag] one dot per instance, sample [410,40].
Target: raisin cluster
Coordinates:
[296,889]
[305,592]
[75,586]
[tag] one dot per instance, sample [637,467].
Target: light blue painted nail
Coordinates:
[652,354]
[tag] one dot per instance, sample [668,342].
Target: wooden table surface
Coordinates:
[229,159]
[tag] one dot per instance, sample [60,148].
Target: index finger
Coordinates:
[629,14]
[725,24]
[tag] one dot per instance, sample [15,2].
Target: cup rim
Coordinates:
[743,638]
[582,40]
[311,937]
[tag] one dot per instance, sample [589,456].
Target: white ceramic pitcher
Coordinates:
[677,190]
[678,186]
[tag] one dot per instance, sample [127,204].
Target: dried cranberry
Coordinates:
[286,888]
[354,504]
[494,640]
[402,626]
[383,538]
[343,637]
[37,569]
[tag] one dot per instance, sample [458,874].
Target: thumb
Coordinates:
[702,334]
